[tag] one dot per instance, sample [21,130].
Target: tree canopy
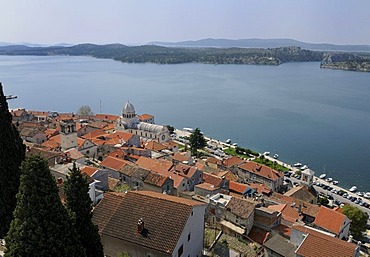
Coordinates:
[76,190]
[358,220]
[197,141]
[41,225]
[85,110]
[12,152]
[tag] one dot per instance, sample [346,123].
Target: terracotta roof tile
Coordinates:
[320,244]
[282,229]
[94,134]
[212,179]
[258,235]
[145,116]
[206,186]
[233,160]
[155,165]
[185,170]
[108,117]
[74,154]
[261,170]
[117,216]
[154,146]
[241,207]
[89,170]
[288,213]
[113,163]
[237,187]
[330,219]
[155,179]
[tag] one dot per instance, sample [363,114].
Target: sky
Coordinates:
[144,21]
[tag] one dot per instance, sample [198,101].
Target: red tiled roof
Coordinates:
[117,216]
[51,132]
[241,207]
[89,170]
[113,163]
[94,134]
[233,160]
[237,187]
[212,179]
[180,157]
[185,170]
[282,229]
[330,219]
[258,235]
[107,117]
[261,170]
[153,164]
[154,146]
[214,160]
[288,213]
[155,179]
[320,244]
[117,154]
[74,154]
[145,116]
[207,186]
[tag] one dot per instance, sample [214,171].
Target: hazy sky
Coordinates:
[142,21]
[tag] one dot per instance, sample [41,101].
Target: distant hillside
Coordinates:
[264,43]
[172,55]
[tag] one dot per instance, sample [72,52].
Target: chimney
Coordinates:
[140,226]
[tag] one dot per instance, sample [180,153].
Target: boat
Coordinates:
[276,156]
[353,189]
[228,141]
[322,176]
[266,153]
[304,167]
[329,180]
[188,129]
[235,144]
[335,182]
[297,164]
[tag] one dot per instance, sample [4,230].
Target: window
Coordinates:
[189,237]
[180,251]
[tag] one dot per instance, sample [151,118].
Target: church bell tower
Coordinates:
[68,134]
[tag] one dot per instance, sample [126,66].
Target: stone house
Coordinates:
[260,173]
[144,223]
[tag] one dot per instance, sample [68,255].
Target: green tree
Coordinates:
[76,190]
[41,225]
[358,220]
[197,141]
[12,152]
[85,110]
[170,128]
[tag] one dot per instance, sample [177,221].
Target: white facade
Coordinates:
[192,236]
[129,122]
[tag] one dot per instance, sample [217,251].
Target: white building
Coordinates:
[129,122]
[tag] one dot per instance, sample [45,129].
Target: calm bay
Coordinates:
[318,117]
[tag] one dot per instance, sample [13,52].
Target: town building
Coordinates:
[144,223]
[261,174]
[129,122]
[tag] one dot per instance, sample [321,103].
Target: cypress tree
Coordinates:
[41,225]
[12,153]
[76,190]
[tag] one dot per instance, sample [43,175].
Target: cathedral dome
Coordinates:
[128,109]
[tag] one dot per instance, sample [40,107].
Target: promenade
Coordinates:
[217,144]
